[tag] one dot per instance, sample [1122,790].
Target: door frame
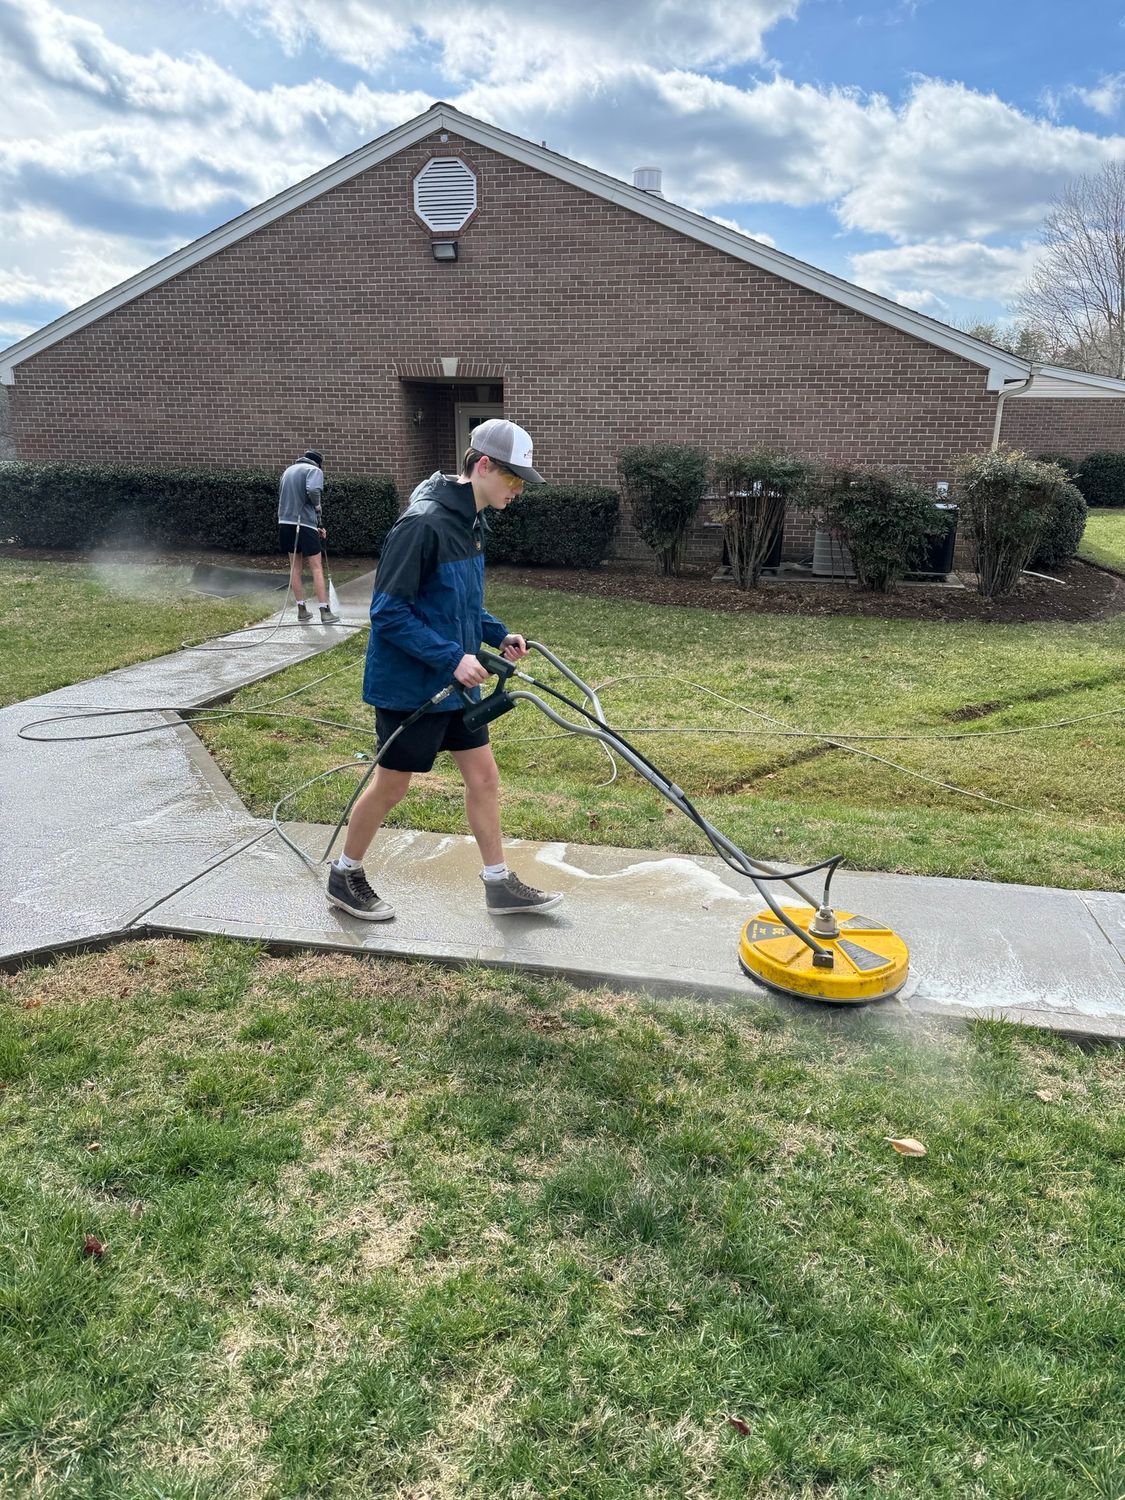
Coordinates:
[466,415]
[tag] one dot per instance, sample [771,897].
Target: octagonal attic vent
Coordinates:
[445,194]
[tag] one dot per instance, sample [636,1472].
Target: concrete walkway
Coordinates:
[128,836]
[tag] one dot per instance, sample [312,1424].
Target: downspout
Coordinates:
[1010,391]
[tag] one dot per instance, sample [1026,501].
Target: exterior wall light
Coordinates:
[444,249]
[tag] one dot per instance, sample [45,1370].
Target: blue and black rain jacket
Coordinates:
[427,610]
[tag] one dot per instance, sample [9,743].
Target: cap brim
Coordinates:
[525,472]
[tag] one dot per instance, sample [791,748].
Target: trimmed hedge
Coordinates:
[1009,500]
[885,519]
[664,485]
[1101,478]
[1062,529]
[232,510]
[555,526]
[1069,466]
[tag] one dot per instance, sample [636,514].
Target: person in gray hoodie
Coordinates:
[301,531]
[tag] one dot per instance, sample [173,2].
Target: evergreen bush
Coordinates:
[1101,478]
[233,510]
[884,519]
[1062,530]
[756,488]
[1068,465]
[663,486]
[1009,500]
[555,526]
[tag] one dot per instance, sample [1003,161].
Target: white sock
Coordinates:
[344,863]
[300,604]
[494,872]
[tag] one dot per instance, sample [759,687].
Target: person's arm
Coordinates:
[408,557]
[493,630]
[314,489]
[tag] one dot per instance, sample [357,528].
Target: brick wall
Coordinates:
[604,328]
[1072,427]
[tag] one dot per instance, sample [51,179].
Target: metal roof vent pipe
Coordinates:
[648,180]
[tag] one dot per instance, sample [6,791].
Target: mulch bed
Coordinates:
[1084,593]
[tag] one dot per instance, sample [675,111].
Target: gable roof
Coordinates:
[1001,367]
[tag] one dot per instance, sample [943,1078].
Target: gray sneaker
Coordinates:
[350,891]
[504,898]
[327,617]
[304,616]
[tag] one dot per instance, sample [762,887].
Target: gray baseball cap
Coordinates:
[508,444]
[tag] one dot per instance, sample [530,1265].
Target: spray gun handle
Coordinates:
[491,661]
[476,715]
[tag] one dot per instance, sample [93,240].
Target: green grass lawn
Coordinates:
[780,798]
[374,1229]
[1104,539]
[65,622]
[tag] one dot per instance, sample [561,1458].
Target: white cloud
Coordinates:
[967,269]
[136,152]
[962,164]
[763,239]
[1107,97]
[51,261]
[506,39]
[715,142]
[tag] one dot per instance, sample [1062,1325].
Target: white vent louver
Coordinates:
[445,194]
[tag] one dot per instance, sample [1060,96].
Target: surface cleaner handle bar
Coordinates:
[477,714]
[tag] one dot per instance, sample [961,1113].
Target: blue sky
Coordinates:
[912,146]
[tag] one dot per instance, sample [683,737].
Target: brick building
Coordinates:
[450,271]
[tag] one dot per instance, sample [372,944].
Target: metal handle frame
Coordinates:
[751,868]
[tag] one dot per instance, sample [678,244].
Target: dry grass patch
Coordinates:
[158,967]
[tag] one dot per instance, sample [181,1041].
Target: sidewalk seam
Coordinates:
[137,917]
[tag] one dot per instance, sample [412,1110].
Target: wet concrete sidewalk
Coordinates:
[93,832]
[145,835]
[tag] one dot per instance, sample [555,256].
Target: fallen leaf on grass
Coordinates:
[93,1145]
[1046,1095]
[739,1425]
[906,1145]
[93,1246]
[32,1004]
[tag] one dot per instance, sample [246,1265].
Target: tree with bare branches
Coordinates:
[1076,295]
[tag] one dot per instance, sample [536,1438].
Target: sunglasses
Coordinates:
[511,477]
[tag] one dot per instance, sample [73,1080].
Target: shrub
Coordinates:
[85,505]
[884,519]
[756,488]
[1009,500]
[1062,530]
[1068,465]
[554,525]
[663,486]
[1101,478]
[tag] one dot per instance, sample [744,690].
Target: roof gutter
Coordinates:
[1010,390]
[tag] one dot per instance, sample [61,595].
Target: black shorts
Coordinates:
[307,539]
[418,747]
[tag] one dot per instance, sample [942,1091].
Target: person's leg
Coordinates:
[385,790]
[316,563]
[505,893]
[296,578]
[482,800]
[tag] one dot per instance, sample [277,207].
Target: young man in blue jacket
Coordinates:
[427,623]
